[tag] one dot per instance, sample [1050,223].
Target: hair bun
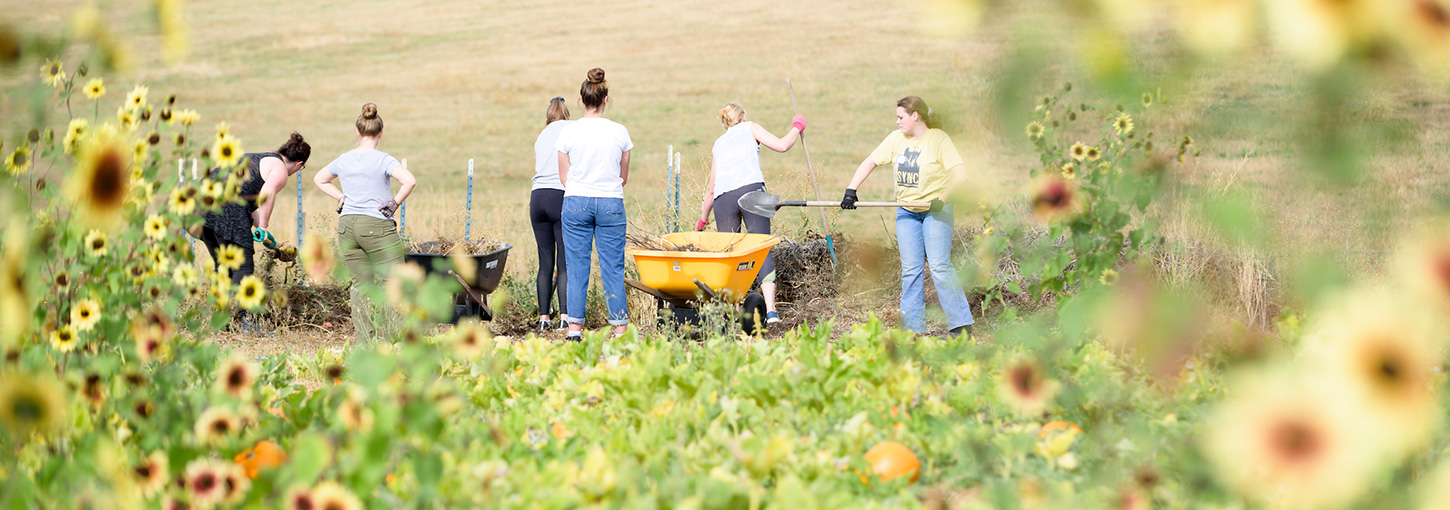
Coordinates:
[295,138]
[596,76]
[370,111]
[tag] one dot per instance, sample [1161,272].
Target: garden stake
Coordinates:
[299,209]
[468,206]
[402,216]
[669,175]
[675,222]
[830,244]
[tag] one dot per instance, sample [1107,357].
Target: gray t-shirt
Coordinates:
[546,157]
[365,180]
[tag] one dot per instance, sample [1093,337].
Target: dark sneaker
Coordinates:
[772,317]
[544,326]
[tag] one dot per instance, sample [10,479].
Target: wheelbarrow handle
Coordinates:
[472,294]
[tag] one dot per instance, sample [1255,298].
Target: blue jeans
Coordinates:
[925,240]
[599,222]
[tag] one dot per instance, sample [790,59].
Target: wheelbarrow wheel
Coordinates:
[752,313]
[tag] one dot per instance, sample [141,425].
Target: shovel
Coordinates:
[765,204]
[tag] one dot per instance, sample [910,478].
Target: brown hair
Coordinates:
[557,111]
[369,123]
[916,105]
[731,114]
[295,149]
[594,89]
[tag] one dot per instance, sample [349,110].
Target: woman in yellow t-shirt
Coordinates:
[927,167]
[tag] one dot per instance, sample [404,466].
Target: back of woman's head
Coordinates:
[732,114]
[369,123]
[594,89]
[295,149]
[557,111]
[916,105]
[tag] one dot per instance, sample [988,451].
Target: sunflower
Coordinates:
[230,256]
[1069,171]
[1078,151]
[1123,124]
[180,203]
[187,117]
[61,281]
[151,330]
[1055,199]
[1423,264]
[19,161]
[102,181]
[1290,442]
[95,88]
[30,403]
[85,314]
[329,495]
[223,131]
[1109,277]
[469,339]
[227,151]
[217,425]
[1147,99]
[94,390]
[317,258]
[236,376]
[205,482]
[1035,130]
[184,275]
[354,413]
[64,339]
[73,134]
[1093,153]
[140,152]
[160,263]
[96,244]
[1382,349]
[156,227]
[136,100]
[251,292]
[152,474]
[1025,388]
[299,498]
[127,119]
[53,72]
[236,483]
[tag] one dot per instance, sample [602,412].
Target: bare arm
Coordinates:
[274,175]
[405,178]
[323,180]
[708,202]
[563,168]
[862,172]
[781,144]
[959,176]
[624,168]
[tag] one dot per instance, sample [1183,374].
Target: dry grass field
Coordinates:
[458,80]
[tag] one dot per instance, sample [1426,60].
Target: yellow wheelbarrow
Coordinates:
[724,269]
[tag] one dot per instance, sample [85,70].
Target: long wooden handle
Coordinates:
[827,203]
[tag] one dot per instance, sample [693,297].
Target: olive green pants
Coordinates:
[370,247]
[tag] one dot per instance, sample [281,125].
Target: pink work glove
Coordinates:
[799,122]
[700,225]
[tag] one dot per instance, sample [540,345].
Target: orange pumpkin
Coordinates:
[1063,426]
[891,460]
[264,455]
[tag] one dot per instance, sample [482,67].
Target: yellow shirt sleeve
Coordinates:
[886,152]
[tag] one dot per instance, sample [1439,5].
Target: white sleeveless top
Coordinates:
[737,159]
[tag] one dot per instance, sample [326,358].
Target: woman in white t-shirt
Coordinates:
[594,166]
[735,171]
[365,229]
[546,205]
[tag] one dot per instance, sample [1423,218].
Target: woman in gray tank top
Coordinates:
[365,229]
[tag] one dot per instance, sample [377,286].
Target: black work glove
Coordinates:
[937,205]
[389,209]
[849,201]
[339,205]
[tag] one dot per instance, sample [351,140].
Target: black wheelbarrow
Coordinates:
[471,299]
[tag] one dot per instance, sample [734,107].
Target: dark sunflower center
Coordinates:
[85,313]
[1024,379]
[98,244]
[108,187]
[20,159]
[226,151]
[235,377]
[220,426]
[1055,195]
[302,502]
[145,409]
[144,471]
[28,408]
[333,505]
[250,291]
[205,482]
[1296,441]
[1390,370]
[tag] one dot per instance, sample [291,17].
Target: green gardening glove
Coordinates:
[261,235]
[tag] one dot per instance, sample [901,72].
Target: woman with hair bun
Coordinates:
[928,168]
[735,171]
[241,224]
[365,229]
[546,204]
[594,167]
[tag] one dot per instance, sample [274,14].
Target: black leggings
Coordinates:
[214,243]
[545,207]
[729,216]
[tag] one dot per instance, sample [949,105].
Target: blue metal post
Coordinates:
[676,185]
[403,217]
[300,216]
[468,214]
[669,175]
